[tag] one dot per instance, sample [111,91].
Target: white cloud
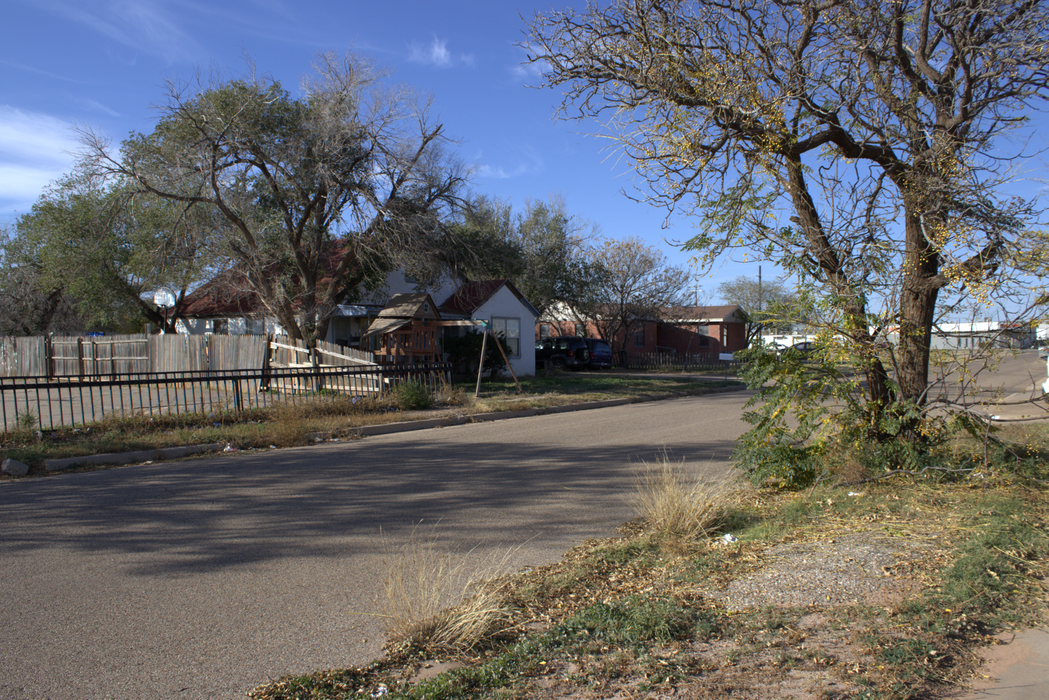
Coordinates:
[531,163]
[437,54]
[35,149]
[139,24]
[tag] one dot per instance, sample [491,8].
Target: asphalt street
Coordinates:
[1008,386]
[203,578]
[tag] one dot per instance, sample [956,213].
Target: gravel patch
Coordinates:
[846,570]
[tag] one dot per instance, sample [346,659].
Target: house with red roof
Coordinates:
[224,306]
[684,331]
[505,309]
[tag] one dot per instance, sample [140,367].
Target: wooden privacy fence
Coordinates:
[202,353]
[93,356]
[87,356]
[98,356]
[50,402]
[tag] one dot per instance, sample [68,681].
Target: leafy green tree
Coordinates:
[98,247]
[27,305]
[319,193]
[874,128]
[544,250]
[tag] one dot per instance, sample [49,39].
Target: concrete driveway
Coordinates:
[203,578]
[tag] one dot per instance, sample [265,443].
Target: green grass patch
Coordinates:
[581,383]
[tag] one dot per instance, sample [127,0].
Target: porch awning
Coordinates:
[385,325]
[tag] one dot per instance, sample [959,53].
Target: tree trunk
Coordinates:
[918,295]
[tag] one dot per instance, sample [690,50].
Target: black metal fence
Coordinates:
[31,402]
[681,363]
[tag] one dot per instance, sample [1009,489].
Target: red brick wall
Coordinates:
[683,340]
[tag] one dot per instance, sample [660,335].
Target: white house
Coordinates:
[507,312]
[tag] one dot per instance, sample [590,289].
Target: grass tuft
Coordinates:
[440,599]
[679,509]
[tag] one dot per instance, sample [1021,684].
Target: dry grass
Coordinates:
[438,598]
[448,396]
[679,509]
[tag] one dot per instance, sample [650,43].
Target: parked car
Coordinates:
[805,347]
[562,352]
[600,353]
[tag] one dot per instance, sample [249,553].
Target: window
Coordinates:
[639,338]
[255,326]
[510,328]
[579,330]
[544,331]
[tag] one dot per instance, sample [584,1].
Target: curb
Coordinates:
[54,465]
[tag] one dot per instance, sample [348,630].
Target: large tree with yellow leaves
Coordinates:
[854,142]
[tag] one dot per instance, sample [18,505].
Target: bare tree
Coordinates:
[767,304]
[872,127]
[638,285]
[319,193]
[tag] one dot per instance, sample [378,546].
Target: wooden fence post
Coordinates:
[318,382]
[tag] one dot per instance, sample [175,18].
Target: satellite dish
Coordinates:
[164,299]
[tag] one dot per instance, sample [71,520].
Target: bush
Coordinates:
[810,423]
[411,396]
[465,350]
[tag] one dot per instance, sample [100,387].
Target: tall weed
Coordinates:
[440,598]
[679,508]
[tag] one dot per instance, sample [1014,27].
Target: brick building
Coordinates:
[681,331]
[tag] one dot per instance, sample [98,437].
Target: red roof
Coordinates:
[471,296]
[227,294]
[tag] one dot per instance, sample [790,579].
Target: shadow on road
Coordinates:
[209,514]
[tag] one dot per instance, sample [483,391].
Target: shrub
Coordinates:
[465,350]
[411,396]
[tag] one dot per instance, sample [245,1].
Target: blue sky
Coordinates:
[102,64]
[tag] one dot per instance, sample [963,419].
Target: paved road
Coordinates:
[1007,384]
[202,578]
